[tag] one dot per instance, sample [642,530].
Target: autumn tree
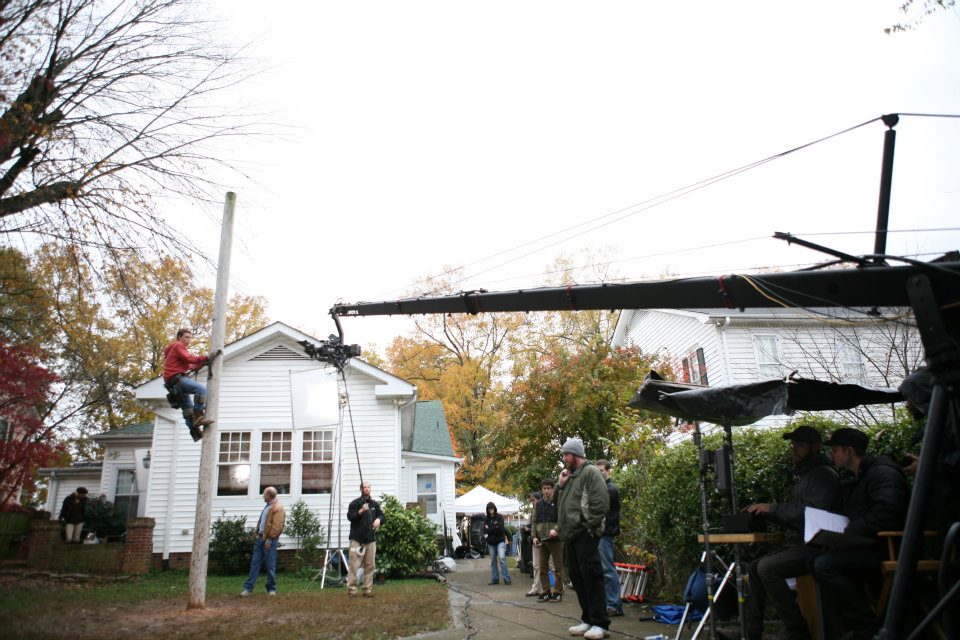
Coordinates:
[459,359]
[104,104]
[545,334]
[27,440]
[108,332]
[573,394]
[567,381]
[24,303]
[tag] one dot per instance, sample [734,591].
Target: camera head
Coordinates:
[331,350]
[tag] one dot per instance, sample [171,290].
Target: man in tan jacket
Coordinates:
[269,528]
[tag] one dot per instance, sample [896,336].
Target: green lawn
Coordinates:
[155,606]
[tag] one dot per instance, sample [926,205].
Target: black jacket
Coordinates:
[876,499]
[544,518]
[817,485]
[361,524]
[495,528]
[611,524]
[73,511]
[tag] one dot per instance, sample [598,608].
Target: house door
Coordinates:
[427,493]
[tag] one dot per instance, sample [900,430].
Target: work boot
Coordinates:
[200,420]
[196,434]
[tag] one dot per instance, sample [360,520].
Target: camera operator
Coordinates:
[365,516]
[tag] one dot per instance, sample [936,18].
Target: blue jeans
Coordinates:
[263,556]
[611,582]
[498,554]
[193,396]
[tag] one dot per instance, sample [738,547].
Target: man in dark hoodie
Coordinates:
[816,485]
[875,500]
[497,541]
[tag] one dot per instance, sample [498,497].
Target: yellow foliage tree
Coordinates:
[109,329]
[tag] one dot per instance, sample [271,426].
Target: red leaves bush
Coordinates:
[25,443]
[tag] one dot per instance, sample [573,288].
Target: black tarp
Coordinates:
[743,404]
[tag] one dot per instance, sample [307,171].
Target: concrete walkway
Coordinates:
[500,612]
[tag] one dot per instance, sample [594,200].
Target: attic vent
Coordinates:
[281,353]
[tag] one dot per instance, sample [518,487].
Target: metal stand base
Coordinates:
[328,557]
[728,571]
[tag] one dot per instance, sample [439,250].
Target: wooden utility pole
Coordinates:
[208,452]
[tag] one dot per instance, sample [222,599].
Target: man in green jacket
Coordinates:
[582,504]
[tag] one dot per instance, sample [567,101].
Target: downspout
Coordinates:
[52,492]
[721,329]
[400,408]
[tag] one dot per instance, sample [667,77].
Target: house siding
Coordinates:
[64,486]
[806,345]
[673,337]
[115,458]
[256,397]
[446,482]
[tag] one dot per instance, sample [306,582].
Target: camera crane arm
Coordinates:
[869,286]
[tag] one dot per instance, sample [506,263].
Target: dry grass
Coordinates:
[155,607]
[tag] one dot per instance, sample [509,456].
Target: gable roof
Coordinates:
[139,431]
[390,385]
[141,428]
[430,432]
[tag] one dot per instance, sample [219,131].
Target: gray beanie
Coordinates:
[574,446]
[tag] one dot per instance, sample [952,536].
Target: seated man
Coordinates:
[876,500]
[817,485]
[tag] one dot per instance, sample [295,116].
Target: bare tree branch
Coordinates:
[104,105]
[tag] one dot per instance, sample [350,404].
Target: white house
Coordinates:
[296,424]
[719,347]
[121,476]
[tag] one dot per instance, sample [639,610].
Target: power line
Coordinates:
[626,212]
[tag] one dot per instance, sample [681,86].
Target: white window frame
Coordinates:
[850,359]
[234,458]
[133,497]
[769,365]
[315,457]
[435,493]
[276,450]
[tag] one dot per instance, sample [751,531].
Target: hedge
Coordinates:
[660,495]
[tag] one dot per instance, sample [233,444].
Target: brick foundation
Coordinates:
[47,552]
[286,561]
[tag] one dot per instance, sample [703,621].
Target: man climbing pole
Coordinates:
[178,362]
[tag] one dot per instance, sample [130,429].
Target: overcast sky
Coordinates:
[425,135]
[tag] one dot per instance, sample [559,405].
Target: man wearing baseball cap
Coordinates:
[876,500]
[817,485]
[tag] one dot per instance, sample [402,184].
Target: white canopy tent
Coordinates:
[475,501]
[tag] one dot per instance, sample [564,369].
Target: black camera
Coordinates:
[331,350]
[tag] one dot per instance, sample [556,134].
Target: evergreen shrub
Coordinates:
[104,518]
[303,525]
[407,541]
[231,545]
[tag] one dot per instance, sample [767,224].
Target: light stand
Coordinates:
[707,554]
